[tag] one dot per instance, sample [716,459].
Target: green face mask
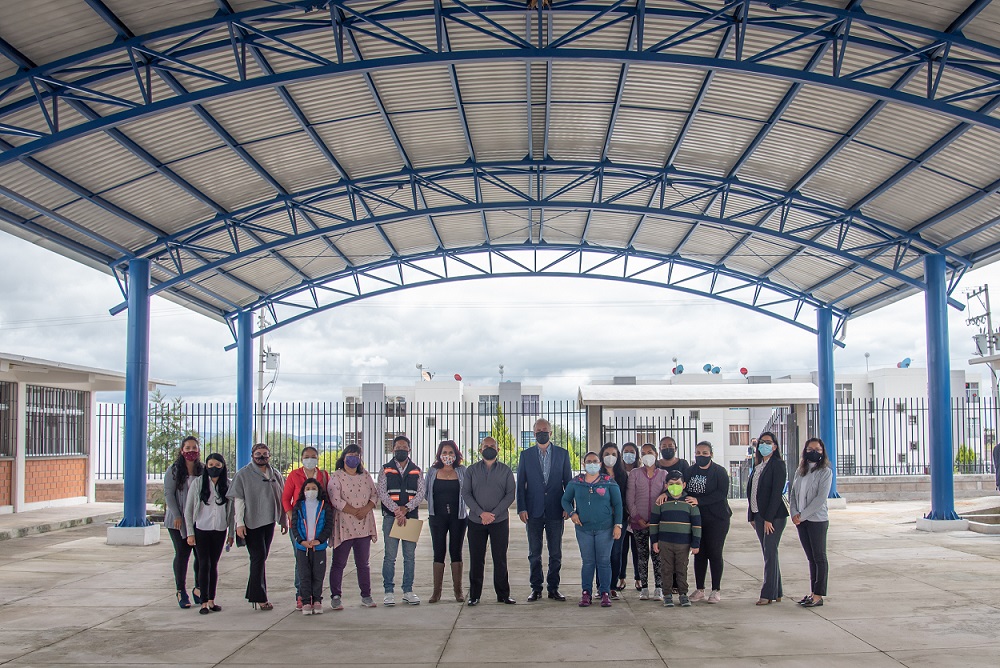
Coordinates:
[675,490]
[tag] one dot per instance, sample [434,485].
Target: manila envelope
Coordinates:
[410,532]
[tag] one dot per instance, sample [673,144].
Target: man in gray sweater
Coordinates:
[489,491]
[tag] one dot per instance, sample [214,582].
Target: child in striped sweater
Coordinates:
[675,529]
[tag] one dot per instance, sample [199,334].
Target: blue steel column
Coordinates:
[827,395]
[244,387]
[939,390]
[136,395]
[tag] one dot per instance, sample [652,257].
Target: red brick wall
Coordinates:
[6,482]
[48,479]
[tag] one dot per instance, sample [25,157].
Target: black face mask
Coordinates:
[401,455]
[542,437]
[489,454]
[261,461]
[813,456]
[214,471]
[703,460]
[668,453]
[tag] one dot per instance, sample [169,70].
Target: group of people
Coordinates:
[634,499]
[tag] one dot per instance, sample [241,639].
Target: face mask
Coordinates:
[703,460]
[191,455]
[310,462]
[260,460]
[311,494]
[648,460]
[352,461]
[214,471]
[542,437]
[813,456]
[628,457]
[675,490]
[489,454]
[765,449]
[447,460]
[610,460]
[401,455]
[593,468]
[668,453]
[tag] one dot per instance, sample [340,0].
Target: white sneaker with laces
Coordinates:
[644,594]
[390,599]
[307,609]
[317,608]
[699,595]
[411,598]
[658,593]
[715,596]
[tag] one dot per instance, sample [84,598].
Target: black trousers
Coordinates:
[447,535]
[311,567]
[498,534]
[182,552]
[208,548]
[771,588]
[629,545]
[258,545]
[553,533]
[713,539]
[812,535]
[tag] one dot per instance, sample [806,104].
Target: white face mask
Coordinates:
[628,457]
[648,460]
[310,462]
[447,460]
[311,494]
[610,460]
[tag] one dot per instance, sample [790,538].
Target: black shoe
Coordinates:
[473,602]
[203,611]
[508,600]
[813,604]
[536,595]
[556,596]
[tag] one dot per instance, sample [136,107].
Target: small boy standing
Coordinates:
[675,529]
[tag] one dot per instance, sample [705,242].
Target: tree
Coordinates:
[167,426]
[285,449]
[506,445]
[577,447]
[966,460]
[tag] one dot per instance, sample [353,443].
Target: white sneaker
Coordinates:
[317,608]
[658,594]
[715,596]
[307,609]
[699,595]
[411,598]
[644,594]
[390,599]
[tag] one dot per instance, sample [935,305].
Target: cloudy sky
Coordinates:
[556,332]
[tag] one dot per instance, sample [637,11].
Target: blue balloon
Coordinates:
[680,368]
[706,368]
[716,369]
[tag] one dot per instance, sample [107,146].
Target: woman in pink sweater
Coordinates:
[352,492]
[645,483]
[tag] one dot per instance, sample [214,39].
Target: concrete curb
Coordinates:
[46,527]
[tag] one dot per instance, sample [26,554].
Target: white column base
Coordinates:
[135,536]
[836,504]
[924,524]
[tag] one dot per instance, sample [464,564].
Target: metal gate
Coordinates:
[641,430]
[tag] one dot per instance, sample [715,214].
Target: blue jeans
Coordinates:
[389,561]
[616,559]
[595,550]
[553,537]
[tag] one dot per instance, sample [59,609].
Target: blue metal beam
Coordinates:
[244,387]
[136,396]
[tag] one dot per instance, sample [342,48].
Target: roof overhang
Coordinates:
[716,395]
[51,373]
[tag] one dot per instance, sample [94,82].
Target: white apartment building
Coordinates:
[429,412]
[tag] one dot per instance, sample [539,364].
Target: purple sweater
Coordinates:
[642,492]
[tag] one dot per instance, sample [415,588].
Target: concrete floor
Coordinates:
[897,597]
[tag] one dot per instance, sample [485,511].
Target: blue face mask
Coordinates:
[628,457]
[593,468]
[765,449]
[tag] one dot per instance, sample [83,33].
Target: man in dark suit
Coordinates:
[542,475]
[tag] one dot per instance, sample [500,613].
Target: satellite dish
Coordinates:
[458,377]
[680,368]
[426,375]
[707,368]
[716,369]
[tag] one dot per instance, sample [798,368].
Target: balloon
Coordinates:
[674,370]
[706,368]
[680,368]
[458,377]
[716,369]
[899,365]
[743,370]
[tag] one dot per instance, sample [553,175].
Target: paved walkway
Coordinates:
[14,525]
[898,597]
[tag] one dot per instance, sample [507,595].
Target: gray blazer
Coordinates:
[174,497]
[816,486]
[429,486]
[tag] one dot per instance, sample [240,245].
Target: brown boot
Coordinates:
[438,579]
[456,578]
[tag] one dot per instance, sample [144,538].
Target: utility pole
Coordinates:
[261,358]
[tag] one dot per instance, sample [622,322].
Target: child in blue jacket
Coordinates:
[312,525]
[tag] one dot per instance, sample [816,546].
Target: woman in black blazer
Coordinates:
[767,511]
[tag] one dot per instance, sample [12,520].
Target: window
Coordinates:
[913,420]
[644,437]
[844,393]
[482,435]
[527,439]
[739,434]
[972,392]
[353,406]
[352,438]
[694,415]
[443,435]
[431,422]
[57,421]
[708,427]
[901,457]
[974,424]
[488,404]
[914,445]
[387,439]
[395,406]
[530,405]
[8,418]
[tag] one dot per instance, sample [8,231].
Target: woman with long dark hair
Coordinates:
[708,488]
[630,460]
[612,466]
[175,488]
[767,512]
[208,514]
[352,492]
[807,505]
[446,515]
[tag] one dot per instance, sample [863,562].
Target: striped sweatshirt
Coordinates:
[676,522]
